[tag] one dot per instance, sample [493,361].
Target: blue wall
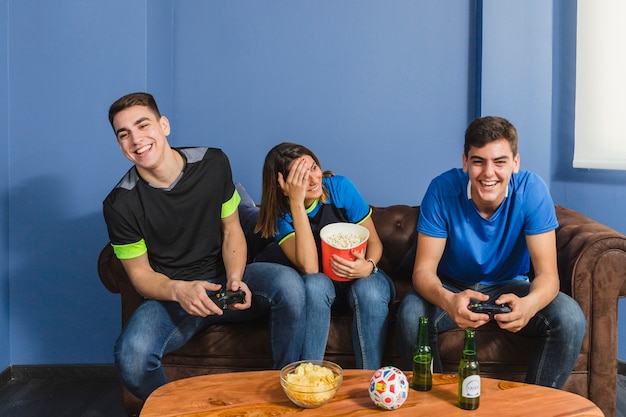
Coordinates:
[513,84]
[381,91]
[340,77]
[4,187]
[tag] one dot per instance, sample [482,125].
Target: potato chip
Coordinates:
[312,384]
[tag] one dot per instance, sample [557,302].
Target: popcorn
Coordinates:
[344,240]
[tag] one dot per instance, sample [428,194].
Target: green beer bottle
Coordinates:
[422,359]
[469,374]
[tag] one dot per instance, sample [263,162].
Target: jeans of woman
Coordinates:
[369,299]
[157,328]
[559,330]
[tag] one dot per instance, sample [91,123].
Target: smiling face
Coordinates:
[142,136]
[314,189]
[490,168]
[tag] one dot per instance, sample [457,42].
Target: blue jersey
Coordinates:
[344,204]
[480,250]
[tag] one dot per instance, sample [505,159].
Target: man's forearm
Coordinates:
[543,289]
[234,253]
[153,285]
[429,286]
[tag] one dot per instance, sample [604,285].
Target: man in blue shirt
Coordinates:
[479,229]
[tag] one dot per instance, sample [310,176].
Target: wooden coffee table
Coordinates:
[260,394]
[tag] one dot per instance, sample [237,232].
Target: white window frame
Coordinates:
[600,132]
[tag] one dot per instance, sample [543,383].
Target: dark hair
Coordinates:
[133,99]
[273,201]
[488,129]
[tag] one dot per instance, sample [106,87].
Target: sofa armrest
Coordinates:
[582,245]
[114,278]
[107,270]
[592,267]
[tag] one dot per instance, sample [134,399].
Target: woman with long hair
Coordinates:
[298,200]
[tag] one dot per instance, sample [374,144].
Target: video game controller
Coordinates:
[490,308]
[224,298]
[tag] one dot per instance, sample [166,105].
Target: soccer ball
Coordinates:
[389,388]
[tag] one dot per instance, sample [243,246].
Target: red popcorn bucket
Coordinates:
[341,239]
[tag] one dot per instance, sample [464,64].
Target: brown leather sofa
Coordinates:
[592,267]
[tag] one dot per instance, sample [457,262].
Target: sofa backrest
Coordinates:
[397,228]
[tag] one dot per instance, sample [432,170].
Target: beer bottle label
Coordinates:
[471,387]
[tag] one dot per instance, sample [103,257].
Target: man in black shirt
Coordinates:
[173,223]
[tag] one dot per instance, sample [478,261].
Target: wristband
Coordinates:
[375,270]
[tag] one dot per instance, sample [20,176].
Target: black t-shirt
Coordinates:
[180,226]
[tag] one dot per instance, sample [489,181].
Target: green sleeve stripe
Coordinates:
[231,205]
[367,216]
[288,235]
[131,250]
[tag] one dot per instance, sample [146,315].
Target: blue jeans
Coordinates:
[157,328]
[369,298]
[559,330]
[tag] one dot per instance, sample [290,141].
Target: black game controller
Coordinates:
[224,298]
[490,308]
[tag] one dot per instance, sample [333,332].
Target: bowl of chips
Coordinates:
[312,383]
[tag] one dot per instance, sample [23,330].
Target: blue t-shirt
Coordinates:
[344,204]
[480,250]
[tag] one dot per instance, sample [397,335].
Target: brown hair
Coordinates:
[488,129]
[130,100]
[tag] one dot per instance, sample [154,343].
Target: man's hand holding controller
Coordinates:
[490,309]
[225,298]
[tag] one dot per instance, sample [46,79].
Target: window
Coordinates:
[600,138]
